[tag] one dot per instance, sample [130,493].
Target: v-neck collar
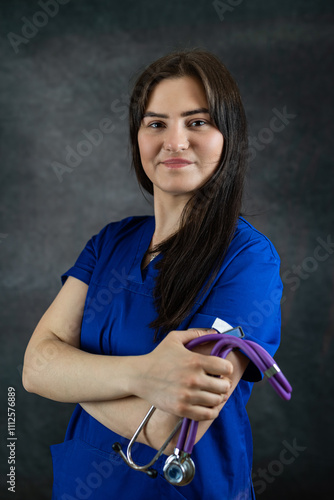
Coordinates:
[145,236]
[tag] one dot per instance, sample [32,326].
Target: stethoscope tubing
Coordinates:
[224,344]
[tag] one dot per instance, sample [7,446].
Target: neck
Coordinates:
[167,211]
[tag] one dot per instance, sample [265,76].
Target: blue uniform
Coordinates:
[118,310]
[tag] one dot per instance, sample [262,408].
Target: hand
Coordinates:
[179,381]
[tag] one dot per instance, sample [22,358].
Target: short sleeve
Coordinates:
[247,294]
[85,264]
[100,244]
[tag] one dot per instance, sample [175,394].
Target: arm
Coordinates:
[172,378]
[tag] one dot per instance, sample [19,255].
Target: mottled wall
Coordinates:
[73,72]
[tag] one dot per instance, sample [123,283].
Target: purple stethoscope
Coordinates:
[179,468]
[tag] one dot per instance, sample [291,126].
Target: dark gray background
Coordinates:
[77,70]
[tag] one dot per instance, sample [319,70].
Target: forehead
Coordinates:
[180,92]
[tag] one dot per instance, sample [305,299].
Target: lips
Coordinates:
[176,162]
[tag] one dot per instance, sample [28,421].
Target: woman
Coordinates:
[113,340]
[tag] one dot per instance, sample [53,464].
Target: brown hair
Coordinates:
[193,256]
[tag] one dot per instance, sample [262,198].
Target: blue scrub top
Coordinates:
[118,310]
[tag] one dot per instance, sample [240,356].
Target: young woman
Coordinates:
[114,338]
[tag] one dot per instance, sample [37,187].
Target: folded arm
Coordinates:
[118,390]
[123,416]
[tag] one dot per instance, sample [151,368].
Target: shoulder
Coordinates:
[249,240]
[110,233]
[249,253]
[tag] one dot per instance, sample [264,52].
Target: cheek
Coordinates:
[147,147]
[142,144]
[214,145]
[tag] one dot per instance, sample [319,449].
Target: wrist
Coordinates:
[133,376]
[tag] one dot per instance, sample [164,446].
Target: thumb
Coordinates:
[186,336]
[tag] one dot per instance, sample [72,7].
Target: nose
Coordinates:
[175,139]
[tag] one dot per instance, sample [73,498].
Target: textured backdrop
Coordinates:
[66,68]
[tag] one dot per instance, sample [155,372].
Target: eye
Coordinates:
[198,123]
[155,125]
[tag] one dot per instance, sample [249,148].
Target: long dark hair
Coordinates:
[193,256]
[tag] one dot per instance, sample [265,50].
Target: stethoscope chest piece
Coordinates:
[179,468]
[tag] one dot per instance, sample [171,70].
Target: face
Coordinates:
[179,145]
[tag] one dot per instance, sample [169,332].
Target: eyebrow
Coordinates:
[185,113]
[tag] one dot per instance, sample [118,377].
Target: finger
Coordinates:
[216,366]
[207,399]
[216,386]
[199,413]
